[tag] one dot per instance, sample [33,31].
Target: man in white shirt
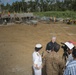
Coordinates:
[37,60]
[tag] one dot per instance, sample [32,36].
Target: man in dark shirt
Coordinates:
[52,45]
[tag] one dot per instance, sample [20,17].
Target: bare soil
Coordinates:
[17,44]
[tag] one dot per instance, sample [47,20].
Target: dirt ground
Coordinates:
[17,44]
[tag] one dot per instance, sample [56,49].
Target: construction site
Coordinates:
[20,32]
[17,44]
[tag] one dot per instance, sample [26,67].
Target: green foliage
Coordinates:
[44,6]
[58,14]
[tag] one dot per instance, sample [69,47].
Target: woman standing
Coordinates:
[37,60]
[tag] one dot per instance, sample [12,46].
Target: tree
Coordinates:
[74,5]
[40,5]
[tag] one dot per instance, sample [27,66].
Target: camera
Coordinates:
[65,50]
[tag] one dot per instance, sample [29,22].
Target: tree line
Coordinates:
[40,6]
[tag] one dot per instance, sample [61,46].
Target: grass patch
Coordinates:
[58,14]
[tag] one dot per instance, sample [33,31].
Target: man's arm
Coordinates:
[66,71]
[48,48]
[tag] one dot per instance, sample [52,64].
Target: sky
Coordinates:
[10,1]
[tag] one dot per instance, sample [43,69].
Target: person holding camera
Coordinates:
[37,60]
[71,67]
[70,47]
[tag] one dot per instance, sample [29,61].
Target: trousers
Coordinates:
[37,72]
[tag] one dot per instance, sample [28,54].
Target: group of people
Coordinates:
[53,62]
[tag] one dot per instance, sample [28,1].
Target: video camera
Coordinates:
[65,49]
